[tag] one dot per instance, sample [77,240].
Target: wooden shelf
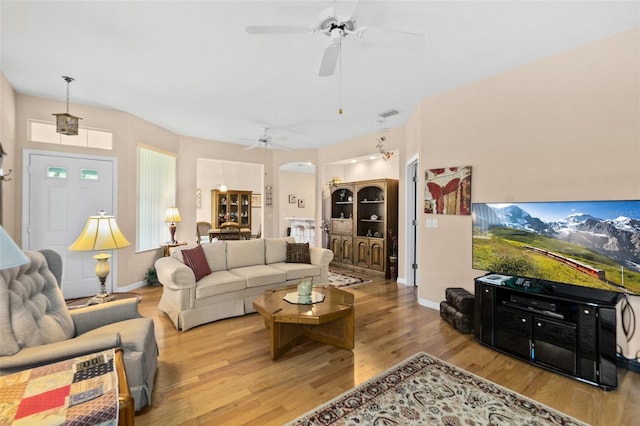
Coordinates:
[353,241]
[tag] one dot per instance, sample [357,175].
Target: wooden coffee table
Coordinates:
[330,321]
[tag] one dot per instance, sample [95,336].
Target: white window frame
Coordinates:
[156,191]
[87,137]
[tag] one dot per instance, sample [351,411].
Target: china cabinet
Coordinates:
[230,206]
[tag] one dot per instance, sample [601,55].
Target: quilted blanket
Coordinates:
[82,390]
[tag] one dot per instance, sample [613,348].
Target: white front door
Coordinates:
[63,191]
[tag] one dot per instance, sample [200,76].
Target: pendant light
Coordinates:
[340,83]
[66,123]
[222,187]
[384,134]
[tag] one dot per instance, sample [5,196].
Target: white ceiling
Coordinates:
[190,66]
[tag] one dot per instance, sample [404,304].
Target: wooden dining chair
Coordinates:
[202,232]
[229,231]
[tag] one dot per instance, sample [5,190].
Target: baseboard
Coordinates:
[629,364]
[429,304]
[131,287]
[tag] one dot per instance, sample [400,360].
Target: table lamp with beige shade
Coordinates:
[172,216]
[101,233]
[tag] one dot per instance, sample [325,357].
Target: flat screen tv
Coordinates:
[587,243]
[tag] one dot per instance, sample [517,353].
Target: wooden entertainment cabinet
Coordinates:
[362,214]
[564,328]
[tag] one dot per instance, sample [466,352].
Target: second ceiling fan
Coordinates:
[266,142]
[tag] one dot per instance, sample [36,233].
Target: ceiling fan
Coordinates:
[266,142]
[335,26]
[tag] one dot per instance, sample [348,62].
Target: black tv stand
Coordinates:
[564,328]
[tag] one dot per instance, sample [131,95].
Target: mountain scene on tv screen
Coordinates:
[594,244]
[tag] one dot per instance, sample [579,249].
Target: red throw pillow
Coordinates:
[197,261]
[298,253]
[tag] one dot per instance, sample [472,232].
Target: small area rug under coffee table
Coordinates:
[424,390]
[342,280]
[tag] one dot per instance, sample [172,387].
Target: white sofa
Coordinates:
[240,271]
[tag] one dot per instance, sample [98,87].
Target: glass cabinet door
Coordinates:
[245,205]
[222,208]
[233,207]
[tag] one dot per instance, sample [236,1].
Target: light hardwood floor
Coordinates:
[221,373]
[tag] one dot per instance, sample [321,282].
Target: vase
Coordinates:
[304,288]
[393,267]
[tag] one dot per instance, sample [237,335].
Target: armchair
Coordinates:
[36,327]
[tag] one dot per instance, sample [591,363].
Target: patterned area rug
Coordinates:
[337,279]
[423,390]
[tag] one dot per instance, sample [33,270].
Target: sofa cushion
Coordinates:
[176,252]
[197,261]
[295,271]
[298,253]
[276,249]
[216,254]
[219,282]
[259,275]
[243,253]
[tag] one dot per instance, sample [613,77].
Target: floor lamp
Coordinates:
[101,233]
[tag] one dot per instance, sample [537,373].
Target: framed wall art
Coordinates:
[448,191]
[292,198]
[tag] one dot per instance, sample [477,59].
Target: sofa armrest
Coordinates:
[53,352]
[94,316]
[320,256]
[174,274]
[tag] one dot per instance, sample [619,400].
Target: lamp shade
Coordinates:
[173,215]
[100,233]
[10,254]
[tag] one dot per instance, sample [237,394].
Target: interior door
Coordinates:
[63,191]
[412,224]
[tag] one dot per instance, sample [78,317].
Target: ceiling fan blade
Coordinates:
[391,30]
[346,10]
[274,29]
[329,59]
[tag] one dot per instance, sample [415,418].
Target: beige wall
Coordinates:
[303,186]
[563,128]
[128,131]
[10,161]
[236,175]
